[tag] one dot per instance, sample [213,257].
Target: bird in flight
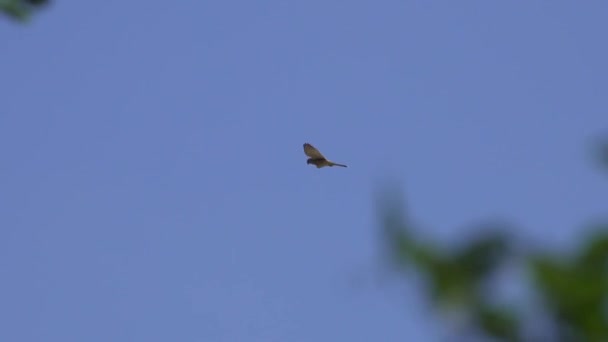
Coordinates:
[316,158]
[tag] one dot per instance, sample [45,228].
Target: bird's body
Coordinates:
[316,158]
[322,163]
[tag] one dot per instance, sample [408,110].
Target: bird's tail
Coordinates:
[336,164]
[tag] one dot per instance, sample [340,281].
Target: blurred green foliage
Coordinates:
[572,289]
[575,288]
[20,9]
[602,154]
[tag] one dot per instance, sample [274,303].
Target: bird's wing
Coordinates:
[312,152]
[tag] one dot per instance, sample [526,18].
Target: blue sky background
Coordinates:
[153,185]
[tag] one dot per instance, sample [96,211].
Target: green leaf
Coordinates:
[483,255]
[498,322]
[14,9]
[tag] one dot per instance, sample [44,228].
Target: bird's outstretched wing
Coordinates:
[312,152]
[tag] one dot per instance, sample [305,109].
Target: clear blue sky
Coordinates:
[153,185]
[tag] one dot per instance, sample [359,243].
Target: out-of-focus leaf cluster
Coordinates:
[21,9]
[575,288]
[602,154]
[456,277]
[572,289]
